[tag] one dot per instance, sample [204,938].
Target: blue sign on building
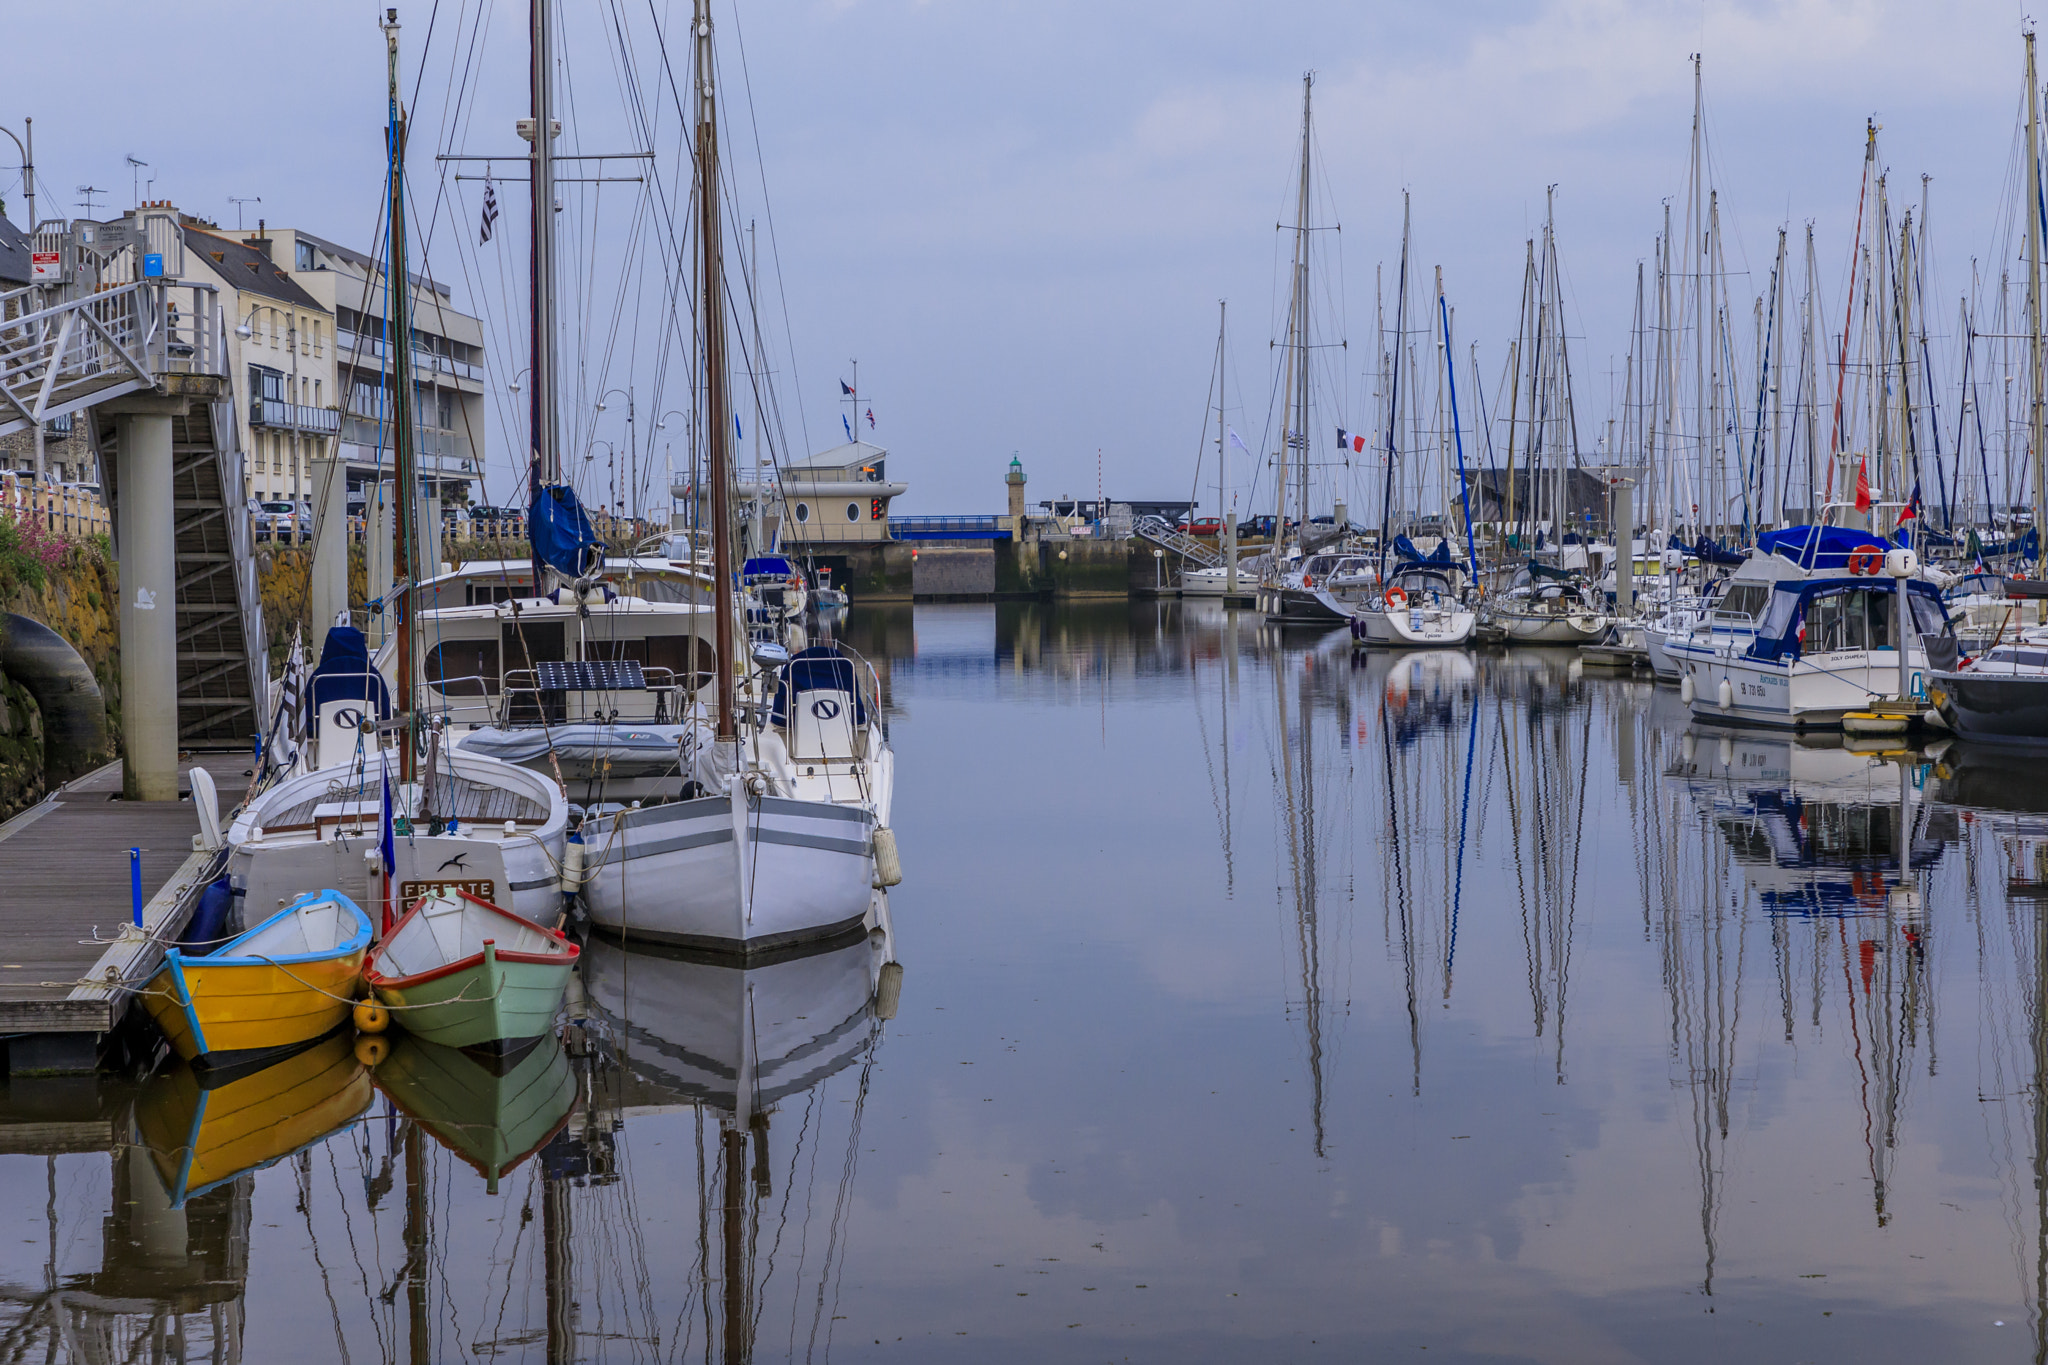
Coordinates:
[153,266]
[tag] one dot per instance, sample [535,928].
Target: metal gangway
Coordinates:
[58,358]
[145,359]
[1164,534]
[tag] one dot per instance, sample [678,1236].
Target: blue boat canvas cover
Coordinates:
[560,532]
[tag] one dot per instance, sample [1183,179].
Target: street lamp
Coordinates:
[611,460]
[632,445]
[514,385]
[28,166]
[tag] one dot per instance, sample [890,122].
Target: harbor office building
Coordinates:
[304,332]
[838,497]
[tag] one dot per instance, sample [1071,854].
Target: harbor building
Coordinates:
[839,496]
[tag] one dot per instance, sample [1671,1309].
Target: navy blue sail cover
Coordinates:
[561,533]
[345,674]
[824,668]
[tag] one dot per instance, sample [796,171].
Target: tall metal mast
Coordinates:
[405,557]
[717,419]
[2037,414]
[1296,356]
[542,420]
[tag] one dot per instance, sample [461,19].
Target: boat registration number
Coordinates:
[483,888]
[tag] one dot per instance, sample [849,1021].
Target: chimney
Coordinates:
[261,241]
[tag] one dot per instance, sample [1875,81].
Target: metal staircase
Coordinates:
[223,648]
[1161,532]
[61,357]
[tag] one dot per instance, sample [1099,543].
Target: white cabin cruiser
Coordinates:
[1806,631]
[1423,607]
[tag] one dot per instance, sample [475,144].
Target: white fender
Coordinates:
[1724,695]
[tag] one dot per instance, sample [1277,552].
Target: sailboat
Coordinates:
[782,837]
[361,809]
[1287,586]
[1424,600]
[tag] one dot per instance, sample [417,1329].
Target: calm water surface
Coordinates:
[1260,1002]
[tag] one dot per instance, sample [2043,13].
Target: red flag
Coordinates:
[1863,503]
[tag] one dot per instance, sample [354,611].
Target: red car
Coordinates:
[1207,526]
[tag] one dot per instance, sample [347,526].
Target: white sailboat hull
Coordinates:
[1415,630]
[1544,628]
[731,874]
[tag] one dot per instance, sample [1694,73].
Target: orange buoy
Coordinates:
[371,1017]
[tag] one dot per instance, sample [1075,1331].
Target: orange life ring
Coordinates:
[1865,562]
[1308,580]
[795,583]
[1397,597]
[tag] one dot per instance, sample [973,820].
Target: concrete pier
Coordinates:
[145,531]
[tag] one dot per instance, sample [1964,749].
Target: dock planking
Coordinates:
[64,880]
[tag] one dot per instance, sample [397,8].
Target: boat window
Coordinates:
[526,643]
[596,648]
[1835,622]
[1927,614]
[1743,602]
[803,511]
[674,653]
[1778,617]
[463,668]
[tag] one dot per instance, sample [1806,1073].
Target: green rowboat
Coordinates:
[459,971]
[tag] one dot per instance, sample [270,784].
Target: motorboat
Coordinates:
[1807,631]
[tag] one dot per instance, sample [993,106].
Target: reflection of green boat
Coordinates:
[200,1131]
[493,1119]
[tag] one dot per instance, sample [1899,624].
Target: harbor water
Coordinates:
[1260,1000]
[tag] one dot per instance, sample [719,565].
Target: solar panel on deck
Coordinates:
[600,675]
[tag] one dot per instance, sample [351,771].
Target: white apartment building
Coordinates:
[304,327]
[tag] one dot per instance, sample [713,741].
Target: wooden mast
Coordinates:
[405,555]
[717,421]
[2037,414]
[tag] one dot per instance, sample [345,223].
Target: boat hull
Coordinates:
[730,874]
[1412,630]
[481,1002]
[1303,606]
[1809,693]
[1990,706]
[221,1013]
[1539,628]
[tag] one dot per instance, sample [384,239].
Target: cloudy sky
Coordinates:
[1020,217]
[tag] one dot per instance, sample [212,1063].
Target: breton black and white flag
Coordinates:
[490,211]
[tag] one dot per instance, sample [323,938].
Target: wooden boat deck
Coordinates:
[64,864]
[467,801]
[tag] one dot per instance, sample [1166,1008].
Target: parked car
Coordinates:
[278,520]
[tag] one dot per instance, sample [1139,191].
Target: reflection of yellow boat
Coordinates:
[493,1117]
[199,1134]
[289,980]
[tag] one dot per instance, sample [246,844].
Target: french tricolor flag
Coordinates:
[1348,441]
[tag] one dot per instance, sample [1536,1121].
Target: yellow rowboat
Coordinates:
[289,980]
[201,1131]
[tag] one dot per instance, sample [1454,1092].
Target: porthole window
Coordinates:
[853,511]
[803,511]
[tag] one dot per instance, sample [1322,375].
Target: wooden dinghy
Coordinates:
[493,1118]
[289,980]
[200,1131]
[459,971]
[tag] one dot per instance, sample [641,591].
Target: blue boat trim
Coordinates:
[358,942]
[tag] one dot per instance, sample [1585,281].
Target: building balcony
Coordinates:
[281,416]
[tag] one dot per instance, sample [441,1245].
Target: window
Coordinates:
[303,253]
[803,511]
[316,337]
[853,511]
[463,668]
[446,408]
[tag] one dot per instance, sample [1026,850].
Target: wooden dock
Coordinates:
[66,908]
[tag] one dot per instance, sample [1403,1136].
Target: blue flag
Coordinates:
[736,427]
[387,849]
[848,425]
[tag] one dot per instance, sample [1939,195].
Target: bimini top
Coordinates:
[764,566]
[1817,548]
